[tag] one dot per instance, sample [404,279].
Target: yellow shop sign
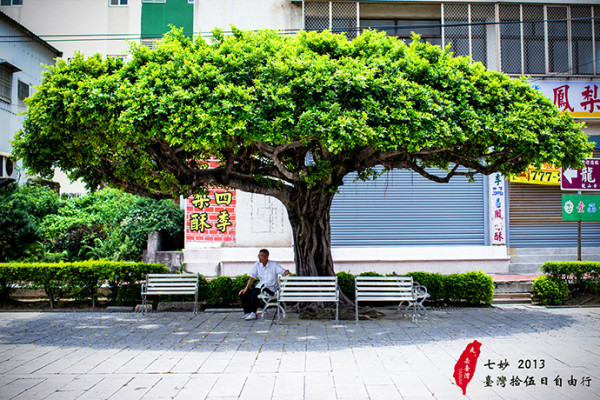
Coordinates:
[547,175]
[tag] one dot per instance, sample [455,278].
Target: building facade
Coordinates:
[107,27]
[401,221]
[21,66]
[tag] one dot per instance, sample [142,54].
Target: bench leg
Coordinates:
[278,309]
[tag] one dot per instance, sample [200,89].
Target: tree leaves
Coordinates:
[142,126]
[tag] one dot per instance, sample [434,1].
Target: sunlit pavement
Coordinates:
[527,352]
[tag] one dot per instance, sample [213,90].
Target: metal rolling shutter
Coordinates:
[535,219]
[402,208]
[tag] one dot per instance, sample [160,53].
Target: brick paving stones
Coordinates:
[527,352]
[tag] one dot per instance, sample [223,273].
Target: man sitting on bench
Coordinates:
[266,271]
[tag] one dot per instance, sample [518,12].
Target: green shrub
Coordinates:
[22,209]
[549,290]
[370,273]
[203,288]
[221,292]
[434,282]
[478,287]
[346,284]
[81,279]
[583,275]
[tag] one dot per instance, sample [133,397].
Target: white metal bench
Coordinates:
[379,288]
[420,296]
[170,284]
[312,289]
[270,300]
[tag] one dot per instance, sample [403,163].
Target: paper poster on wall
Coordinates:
[497,209]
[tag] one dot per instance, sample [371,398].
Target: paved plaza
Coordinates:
[527,352]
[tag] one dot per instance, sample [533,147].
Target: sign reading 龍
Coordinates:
[587,178]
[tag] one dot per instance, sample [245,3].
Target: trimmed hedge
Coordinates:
[549,290]
[578,273]
[574,276]
[473,287]
[81,280]
[78,279]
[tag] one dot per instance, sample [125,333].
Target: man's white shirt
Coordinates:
[267,274]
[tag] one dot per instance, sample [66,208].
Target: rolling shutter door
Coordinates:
[401,208]
[535,219]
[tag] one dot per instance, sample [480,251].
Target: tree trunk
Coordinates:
[309,214]
[309,217]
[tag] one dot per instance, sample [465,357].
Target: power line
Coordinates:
[152,36]
[141,36]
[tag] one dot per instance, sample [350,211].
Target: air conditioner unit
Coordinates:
[7,167]
[149,43]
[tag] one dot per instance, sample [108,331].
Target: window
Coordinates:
[118,2]
[154,1]
[191,1]
[6,75]
[430,30]
[121,57]
[23,91]
[150,43]
[535,39]
[534,49]
[340,16]
[11,2]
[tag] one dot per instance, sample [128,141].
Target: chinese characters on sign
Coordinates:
[581,207]
[210,217]
[587,178]
[497,209]
[548,174]
[578,98]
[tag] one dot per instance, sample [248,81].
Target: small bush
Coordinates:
[583,275]
[549,290]
[369,273]
[221,292]
[434,282]
[346,284]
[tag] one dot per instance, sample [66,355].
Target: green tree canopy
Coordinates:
[288,116]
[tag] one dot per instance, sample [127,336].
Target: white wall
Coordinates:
[28,56]
[77,20]
[246,14]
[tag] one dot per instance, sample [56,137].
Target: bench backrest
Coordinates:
[378,288]
[308,288]
[172,283]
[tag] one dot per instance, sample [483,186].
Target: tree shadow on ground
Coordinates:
[223,331]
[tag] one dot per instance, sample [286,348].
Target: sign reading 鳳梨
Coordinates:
[581,99]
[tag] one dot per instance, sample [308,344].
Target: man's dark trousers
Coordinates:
[250,301]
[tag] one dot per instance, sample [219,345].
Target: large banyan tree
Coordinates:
[289,117]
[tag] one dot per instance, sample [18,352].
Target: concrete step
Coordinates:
[512,298]
[588,253]
[536,258]
[511,287]
[525,268]
[529,260]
